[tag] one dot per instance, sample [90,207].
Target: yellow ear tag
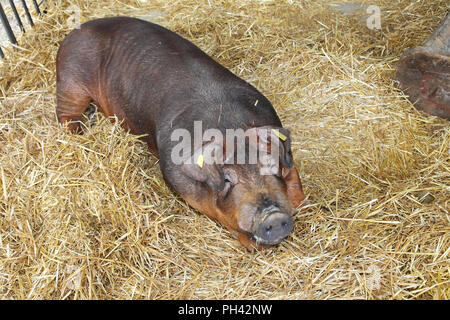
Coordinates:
[200,160]
[279,134]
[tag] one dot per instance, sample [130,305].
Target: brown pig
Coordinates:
[158,82]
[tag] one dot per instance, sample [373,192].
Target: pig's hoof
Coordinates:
[91,115]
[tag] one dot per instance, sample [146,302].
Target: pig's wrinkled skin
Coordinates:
[157,81]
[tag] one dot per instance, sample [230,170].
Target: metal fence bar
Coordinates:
[27,12]
[36,6]
[5,23]
[4,19]
[16,15]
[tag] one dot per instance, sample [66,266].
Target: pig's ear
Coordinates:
[285,147]
[205,170]
[294,186]
[283,136]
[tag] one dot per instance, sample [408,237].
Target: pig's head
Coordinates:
[256,200]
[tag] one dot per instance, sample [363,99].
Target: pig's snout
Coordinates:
[273,227]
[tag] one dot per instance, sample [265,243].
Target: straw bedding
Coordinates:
[90,217]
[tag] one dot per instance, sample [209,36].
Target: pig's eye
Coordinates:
[230,179]
[227,188]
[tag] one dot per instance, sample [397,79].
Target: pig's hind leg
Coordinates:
[71,102]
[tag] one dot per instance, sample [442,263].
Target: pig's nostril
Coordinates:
[268,229]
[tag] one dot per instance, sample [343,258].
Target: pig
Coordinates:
[156,81]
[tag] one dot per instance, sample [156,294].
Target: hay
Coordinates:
[89,216]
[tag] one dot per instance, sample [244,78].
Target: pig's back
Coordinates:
[157,81]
